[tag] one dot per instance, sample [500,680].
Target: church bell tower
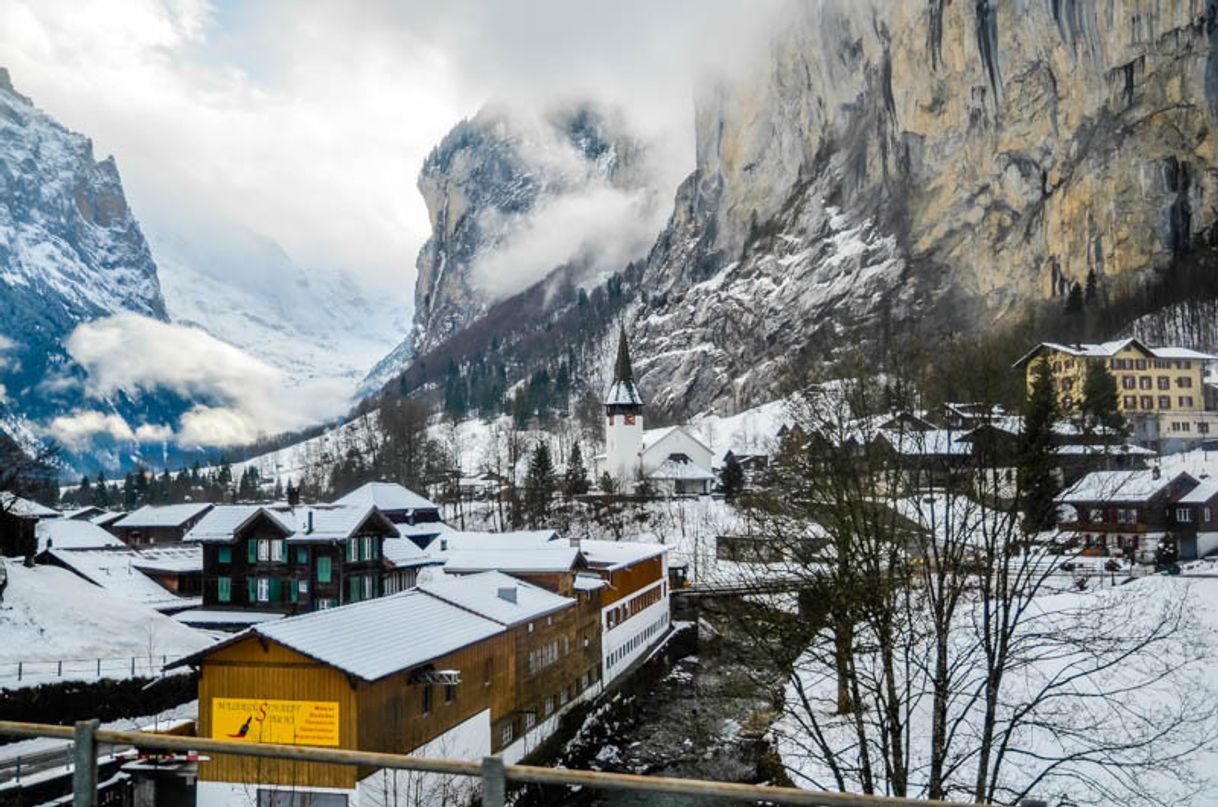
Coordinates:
[624,424]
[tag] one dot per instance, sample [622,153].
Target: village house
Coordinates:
[459,667]
[259,560]
[397,503]
[1159,389]
[1124,513]
[19,520]
[1194,518]
[158,524]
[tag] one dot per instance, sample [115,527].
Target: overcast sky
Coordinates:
[308,122]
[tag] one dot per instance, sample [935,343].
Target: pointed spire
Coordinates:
[622,370]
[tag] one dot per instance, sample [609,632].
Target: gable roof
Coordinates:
[223,522]
[483,594]
[163,515]
[63,533]
[679,470]
[540,559]
[375,638]
[336,522]
[1103,350]
[403,553]
[1120,486]
[653,437]
[84,513]
[386,496]
[24,508]
[613,555]
[118,569]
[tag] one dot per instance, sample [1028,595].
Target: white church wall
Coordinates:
[677,441]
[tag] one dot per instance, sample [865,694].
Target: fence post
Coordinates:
[84,768]
[19,670]
[59,670]
[493,782]
[99,668]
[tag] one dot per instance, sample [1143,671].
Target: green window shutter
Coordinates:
[293,590]
[252,586]
[352,589]
[323,570]
[225,554]
[224,589]
[252,546]
[273,590]
[302,554]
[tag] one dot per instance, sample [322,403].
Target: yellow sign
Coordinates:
[267,721]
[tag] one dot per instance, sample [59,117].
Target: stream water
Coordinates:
[698,709]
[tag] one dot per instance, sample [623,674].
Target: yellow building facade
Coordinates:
[1161,390]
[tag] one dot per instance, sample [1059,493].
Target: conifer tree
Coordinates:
[1099,405]
[1036,481]
[576,481]
[539,485]
[732,478]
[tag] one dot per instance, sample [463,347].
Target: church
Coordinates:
[669,461]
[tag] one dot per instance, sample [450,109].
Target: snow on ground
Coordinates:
[51,615]
[1075,632]
[1197,462]
[751,431]
[175,715]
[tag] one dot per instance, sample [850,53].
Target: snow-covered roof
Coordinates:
[453,541]
[1201,494]
[421,530]
[106,519]
[203,616]
[652,437]
[1127,449]
[376,638]
[539,559]
[1118,486]
[24,508]
[1103,350]
[589,582]
[676,469]
[164,515]
[84,513]
[118,570]
[170,559]
[386,497]
[224,521]
[623,393]
[613,555]
[497,597]
[63,533]
[402,553]
[935,442]
[336,522]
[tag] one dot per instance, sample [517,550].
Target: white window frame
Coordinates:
[264,589]
[1184,515]
[264,550]
[277,550]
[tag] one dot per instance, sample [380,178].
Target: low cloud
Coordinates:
[78,428]
[601,227]
[242,398]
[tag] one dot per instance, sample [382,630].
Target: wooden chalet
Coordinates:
[18,524]
[397,503]
[158,524]
[1123,512]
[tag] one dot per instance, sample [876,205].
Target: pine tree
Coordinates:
[1074,300]
[1037,485]
[1099,405]
[576,481]
[539,485]
[1092,294]
[732,478]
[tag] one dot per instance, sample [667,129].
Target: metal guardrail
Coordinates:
[74,668]
[491,770]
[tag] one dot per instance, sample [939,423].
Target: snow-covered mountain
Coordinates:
[242,288]
[513,195]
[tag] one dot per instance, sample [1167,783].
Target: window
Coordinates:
[352,549]
[1181,427]
[325,602]
[264,549]
[302,554]
[1184,515]
[1208,515]
[427,699]
[1165,402]
[369,587]
[450,693]
[264,589]
[1129,382]
[277,551]
[1148,402]
[1140,364]
[1120,513]
[1184,381]
[1144,382]
[1185,401]
[530,627]
[1160,364]
[1132,515]
[323,570]
[1131,402]
[530,720]
[224,554]
[224,589]
[1097,515]
[1164,382]
[549,706]
[563,697]
[1203,427]
[507,733]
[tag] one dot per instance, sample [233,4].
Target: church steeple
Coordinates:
[623,396]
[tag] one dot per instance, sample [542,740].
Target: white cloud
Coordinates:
[78,428]
[244,398]
[309,122]
[601,227]
[153,433]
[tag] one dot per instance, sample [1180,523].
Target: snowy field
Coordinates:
[50,616]
[1098,698]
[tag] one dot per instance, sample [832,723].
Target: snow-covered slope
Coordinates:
[241,287]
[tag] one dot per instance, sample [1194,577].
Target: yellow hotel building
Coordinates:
[1160,390]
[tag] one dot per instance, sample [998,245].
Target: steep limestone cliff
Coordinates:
[949,160]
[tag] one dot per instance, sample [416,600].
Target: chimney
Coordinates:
[574,541]
[508,594]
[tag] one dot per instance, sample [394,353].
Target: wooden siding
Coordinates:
[251,669]
[624,582]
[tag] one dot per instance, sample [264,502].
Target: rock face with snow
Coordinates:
[482,184]
[932,159]
[70,250]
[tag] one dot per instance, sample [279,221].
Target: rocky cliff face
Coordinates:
[950,160]
[484,184]
[70,249]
